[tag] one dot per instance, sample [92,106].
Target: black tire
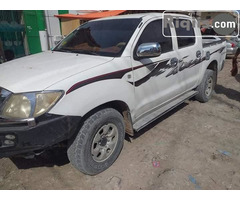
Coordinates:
[80,151]
[204,92]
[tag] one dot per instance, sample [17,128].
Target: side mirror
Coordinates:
[149,50]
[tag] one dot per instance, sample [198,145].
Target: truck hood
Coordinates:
[38,72]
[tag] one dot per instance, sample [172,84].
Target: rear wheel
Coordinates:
[98,143]
[206,88]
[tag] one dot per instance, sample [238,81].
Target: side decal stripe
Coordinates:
[160,68]
[112,75]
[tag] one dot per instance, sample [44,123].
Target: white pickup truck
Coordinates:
[108,77]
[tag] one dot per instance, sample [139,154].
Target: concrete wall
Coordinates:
[53,27]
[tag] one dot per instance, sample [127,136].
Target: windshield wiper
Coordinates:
[77,51]
[86,52]
[63,50]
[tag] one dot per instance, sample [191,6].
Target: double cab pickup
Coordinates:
[108,78]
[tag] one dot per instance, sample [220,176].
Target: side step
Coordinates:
[141,123]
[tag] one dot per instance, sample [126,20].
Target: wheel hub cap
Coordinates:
[103,142]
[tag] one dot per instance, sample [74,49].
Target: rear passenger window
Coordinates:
[185,34]
[153,33]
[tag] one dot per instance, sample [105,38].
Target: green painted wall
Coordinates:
[40,20]
[61,12]
[34,22]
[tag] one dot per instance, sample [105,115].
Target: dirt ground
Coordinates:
[196,146]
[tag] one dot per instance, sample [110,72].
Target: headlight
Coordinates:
[44,101]
[18,106]
[27,105]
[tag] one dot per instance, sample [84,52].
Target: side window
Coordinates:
[153,33]
[185,30]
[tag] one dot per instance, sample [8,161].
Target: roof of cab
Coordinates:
[131,16]
[142,15]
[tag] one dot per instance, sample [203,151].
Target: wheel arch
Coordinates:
[122,107]
[213,66]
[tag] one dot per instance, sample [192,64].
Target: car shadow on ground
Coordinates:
[49,158]
[237,77]
[229,92]
[159,120]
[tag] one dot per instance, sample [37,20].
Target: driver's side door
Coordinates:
[156,79]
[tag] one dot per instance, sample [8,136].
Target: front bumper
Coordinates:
[20,137]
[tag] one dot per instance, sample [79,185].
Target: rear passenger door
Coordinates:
[189,52]
[155,79]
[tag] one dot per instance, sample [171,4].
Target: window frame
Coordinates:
[140,34]
[195,41]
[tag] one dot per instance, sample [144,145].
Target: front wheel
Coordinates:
[98,143]
[206,88]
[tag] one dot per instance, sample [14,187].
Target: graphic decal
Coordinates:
[218,50]
[159,68]
[112,75]
[192,63]
[185,65]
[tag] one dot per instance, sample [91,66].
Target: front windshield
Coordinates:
[104,38]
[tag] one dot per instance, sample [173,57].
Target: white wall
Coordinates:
[82,12]
[53,26]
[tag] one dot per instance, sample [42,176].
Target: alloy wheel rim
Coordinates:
[104,142]
[209,86]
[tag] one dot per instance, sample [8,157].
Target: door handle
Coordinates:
[208,55]
[198,54]
[174,62]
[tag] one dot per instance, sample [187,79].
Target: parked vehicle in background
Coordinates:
[231,43]
[231,46]
[108,77]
